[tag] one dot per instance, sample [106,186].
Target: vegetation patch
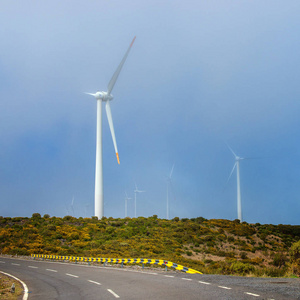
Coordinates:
[6,292]
[210,246]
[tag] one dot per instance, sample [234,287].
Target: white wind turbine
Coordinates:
[237,165]
[168,184]
[126,202]
[105,97]
[135,192]
[67,210]
[72,206]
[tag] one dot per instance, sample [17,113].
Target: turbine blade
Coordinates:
[231,172]
[117,72]
[91,94]
[172,171]
[231,150]
[111,126]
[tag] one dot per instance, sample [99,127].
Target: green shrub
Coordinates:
[275,272]
[208,261]
[36,216]
[230,239]
[295,258]
[279,260]
[295,252]
[241,268]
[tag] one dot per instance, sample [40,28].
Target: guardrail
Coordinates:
[122,261]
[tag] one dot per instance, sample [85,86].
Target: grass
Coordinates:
[6,283]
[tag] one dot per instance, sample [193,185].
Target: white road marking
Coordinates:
[169,276]
[186,278]
[112,292]
[51,270]
[94,282]
[33,267]
[224,287]
[2,262]
[72,275]
[255,295]
[15,264]
[96,267]
[204,282]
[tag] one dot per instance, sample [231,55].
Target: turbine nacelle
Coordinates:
[104,96]
[237,158]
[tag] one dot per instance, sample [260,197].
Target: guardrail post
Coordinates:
[143,265]
[104,264]
[122,265]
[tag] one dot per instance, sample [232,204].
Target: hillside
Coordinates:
[210,246]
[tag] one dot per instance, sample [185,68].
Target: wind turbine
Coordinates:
[168,184]
[135,192]
[237,165]
[72,206]
[126,200]
[105,97]
[67,210]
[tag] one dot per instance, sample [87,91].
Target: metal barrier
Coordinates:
[120,261]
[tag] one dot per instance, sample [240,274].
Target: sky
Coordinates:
[199,75]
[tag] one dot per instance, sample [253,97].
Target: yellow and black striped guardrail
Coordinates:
[122,261]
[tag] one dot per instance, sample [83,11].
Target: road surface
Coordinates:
[57,280]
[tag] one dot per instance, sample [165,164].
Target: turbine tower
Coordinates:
[105,97]
[168,184]
[72,206]
[237,165]
[135,192]
[126,200]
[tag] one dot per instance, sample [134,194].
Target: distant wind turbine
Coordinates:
[72,206]
[135,192]
[67,210]
[168,185]
[126,200]
[237,165]
[105,97]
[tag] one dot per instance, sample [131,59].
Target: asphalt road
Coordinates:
[56,280]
